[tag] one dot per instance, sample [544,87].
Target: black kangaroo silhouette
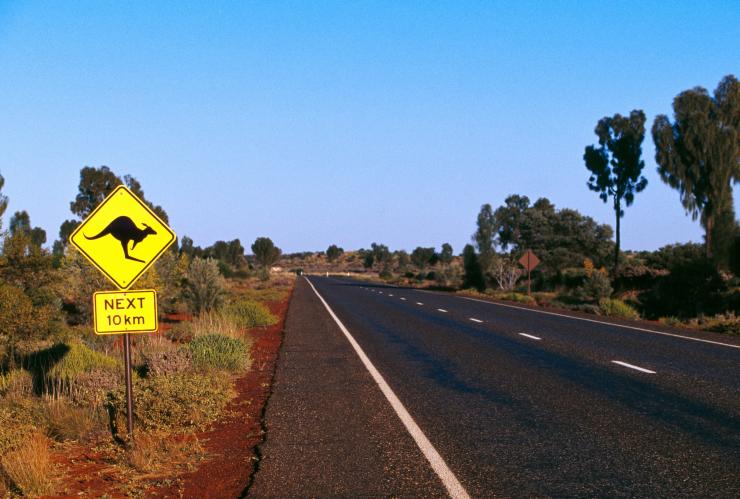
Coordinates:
[124,229]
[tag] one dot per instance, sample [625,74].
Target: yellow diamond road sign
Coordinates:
[123,237]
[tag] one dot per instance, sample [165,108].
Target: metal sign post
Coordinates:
[129,386]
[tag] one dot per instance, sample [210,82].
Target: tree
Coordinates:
[473,277]
[699,155]
[333,252]
[265,252]
[21,222]
[421,257]
[97,183]
[616,165]
[445,256]
[3,199]
[484,236]
[381,254]
[508,220]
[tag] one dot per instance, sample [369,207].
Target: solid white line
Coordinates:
[419,303]
[641,369]
[450,481]
[530,336]
[475,320]
[601,322]
[442,310]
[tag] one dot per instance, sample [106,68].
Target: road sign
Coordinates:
[118,312]
[123,237]
[529,261]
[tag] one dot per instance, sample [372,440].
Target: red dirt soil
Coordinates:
[229,445]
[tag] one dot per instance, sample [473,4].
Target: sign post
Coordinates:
[122,238]
[529,261]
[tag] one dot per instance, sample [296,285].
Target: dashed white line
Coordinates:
[476,320]
[442,310]
[419,303]
[530,336]
[380,292]
[445,474]
[404,299]
[390,295]
[624,326]
[631,366]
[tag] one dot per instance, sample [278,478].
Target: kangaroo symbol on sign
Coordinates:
[125,230]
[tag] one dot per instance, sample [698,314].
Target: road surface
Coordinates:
[514,402]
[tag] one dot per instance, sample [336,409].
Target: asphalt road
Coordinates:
[522,403]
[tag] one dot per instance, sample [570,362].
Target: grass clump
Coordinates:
[28,468]
[218,352]
[617,308]
[67,422]
[177,402]
[69,362]
[16,383]
[155,451]
[248,313]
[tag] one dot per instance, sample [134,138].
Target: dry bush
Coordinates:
[163,363]
[17,383]
[66,422]
[153,451]
[29,468]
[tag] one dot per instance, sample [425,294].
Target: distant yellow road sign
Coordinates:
[119,312]
[123,237]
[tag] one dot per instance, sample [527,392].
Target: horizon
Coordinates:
[346,124]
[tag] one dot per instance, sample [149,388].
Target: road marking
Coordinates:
[390,295]
[530,336]
[442,310]
[450,481]
[419,303]
[637,368]
[476,320]
[599,322]
[404,299]
[380,292]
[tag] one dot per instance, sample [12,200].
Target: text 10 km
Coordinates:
[119,312]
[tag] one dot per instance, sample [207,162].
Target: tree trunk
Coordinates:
[708,237]
[617,206]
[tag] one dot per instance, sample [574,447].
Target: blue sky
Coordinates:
[345,122]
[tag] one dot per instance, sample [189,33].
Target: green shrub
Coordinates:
[595,287]
[722,323]
[214,351]
[617,308]
[205,286]
[247,313]
[16,425]
[76,360]
[180,401]
[515,297]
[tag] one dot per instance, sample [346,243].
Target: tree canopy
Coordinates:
[698,154]
[265,252]
[616,165]
[560,238]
